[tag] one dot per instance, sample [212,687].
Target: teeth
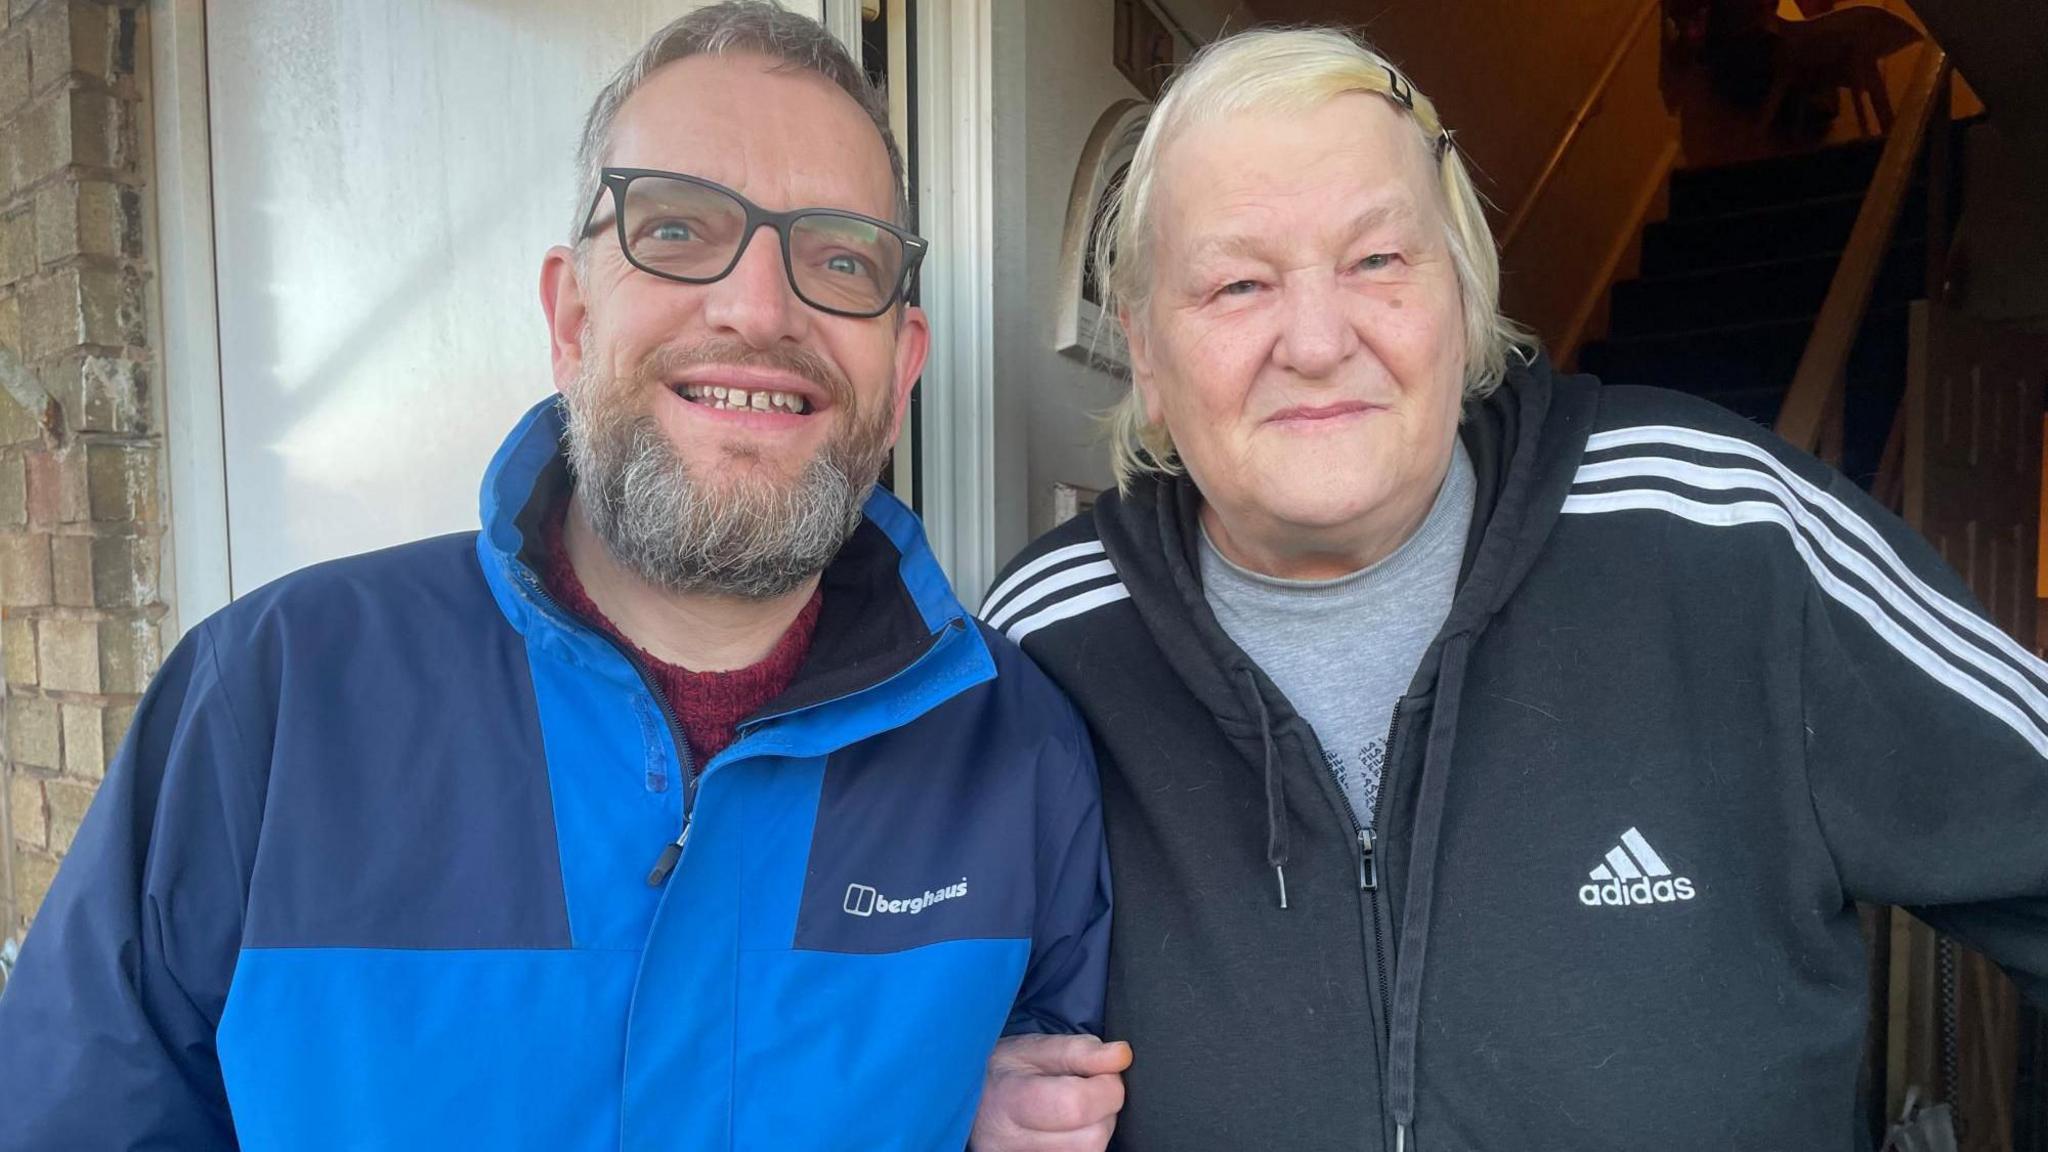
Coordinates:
[717,396]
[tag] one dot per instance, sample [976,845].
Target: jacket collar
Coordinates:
[892,640]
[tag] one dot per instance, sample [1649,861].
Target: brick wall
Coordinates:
[81,523]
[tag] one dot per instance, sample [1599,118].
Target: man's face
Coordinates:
[1304,339]
[693,490]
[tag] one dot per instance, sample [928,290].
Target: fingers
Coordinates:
[1051,1094]
[1061,1103]
[1027,1112]
[1092,1139]
[1061,1056]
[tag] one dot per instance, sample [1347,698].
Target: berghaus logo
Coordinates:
[1633,874]
[861,900]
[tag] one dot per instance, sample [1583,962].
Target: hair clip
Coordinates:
[1400,89]
[1444,144]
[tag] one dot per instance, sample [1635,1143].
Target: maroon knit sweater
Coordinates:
[710,705]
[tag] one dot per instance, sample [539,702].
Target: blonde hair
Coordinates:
[1289,70]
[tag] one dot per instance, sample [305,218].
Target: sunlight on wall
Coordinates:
[387,176]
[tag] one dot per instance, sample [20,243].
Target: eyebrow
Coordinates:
[1231,245]
[1395,211]
[1238,245]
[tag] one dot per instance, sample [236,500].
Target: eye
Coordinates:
[1376,261]
[1238,288]
[846,265]
[671,231]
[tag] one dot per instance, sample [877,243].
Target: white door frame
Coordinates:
[955,197]
[189,387]
[842,19]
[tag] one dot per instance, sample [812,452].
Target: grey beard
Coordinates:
[752,538]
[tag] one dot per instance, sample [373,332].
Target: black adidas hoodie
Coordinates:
[1695,696]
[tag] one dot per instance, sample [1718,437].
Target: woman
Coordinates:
[1490,759]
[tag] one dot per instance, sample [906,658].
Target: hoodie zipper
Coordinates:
[1369,868]
[1369,842]
[1367,838]
[1368,860]
[672,853]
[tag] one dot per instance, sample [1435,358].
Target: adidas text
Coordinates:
[1645,891]
[1633,873]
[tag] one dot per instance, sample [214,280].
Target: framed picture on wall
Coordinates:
[1083,330]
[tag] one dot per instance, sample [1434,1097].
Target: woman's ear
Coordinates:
[1139,343]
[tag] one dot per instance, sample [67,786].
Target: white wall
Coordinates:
[1054,77]
[386,176]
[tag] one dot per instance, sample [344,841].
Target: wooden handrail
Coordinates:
[1813,403]
[1594,95]
[1890,485]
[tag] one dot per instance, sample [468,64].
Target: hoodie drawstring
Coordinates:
[1413,943]
[1276,795]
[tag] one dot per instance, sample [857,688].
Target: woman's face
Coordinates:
[1304,340]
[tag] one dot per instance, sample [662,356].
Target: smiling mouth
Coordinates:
[1322,412]
[718,397]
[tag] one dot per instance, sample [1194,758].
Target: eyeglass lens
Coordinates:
[838,263]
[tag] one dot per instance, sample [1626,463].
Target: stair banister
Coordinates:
[1812,413]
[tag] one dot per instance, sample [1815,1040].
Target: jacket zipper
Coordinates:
[1368,860]
[1369,869]
[672,853]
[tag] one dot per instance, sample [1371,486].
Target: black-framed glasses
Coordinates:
[688,229]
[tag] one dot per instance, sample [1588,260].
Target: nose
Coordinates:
[754,301]
[1316,335]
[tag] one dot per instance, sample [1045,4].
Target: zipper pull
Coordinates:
[1368,869]
[669,856]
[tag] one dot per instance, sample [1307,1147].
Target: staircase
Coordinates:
[1732,280]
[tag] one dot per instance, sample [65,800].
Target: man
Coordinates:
[680,807]
[1490,759]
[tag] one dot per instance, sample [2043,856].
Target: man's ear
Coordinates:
[913,344]
[561,298]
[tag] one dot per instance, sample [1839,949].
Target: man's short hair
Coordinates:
[739,26]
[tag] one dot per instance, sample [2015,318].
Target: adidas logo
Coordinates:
[1634,874]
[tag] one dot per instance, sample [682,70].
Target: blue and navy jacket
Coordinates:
[372,870]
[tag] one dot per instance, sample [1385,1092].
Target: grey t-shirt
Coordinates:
[1343,651]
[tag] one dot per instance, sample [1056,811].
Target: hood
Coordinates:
[1525,440]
